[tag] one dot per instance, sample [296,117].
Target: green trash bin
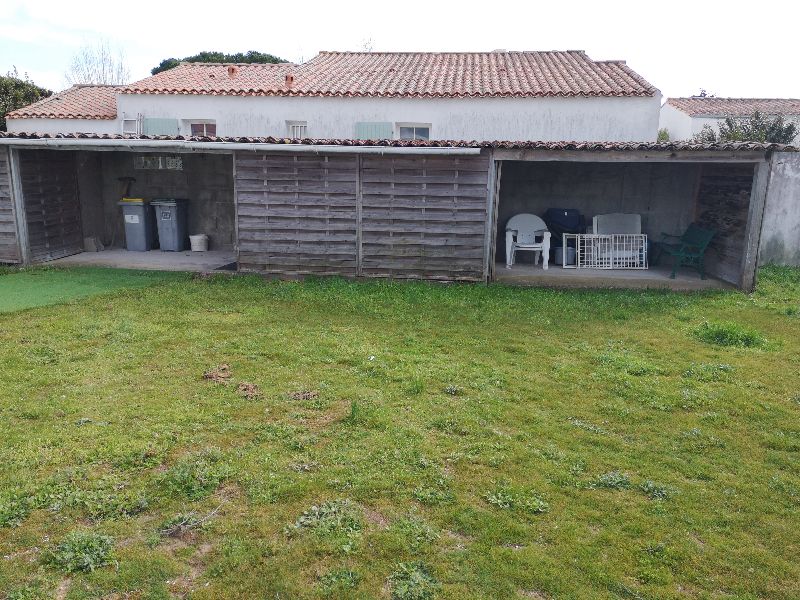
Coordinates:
[140,230]
[171,218]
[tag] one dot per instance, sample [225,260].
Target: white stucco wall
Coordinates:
[676,122]
[64,125]
[547,119]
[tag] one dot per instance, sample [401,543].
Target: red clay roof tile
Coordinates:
[735,107]
[409,74]
[77,102]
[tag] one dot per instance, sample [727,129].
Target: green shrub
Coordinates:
[81,551]
[197,476]
[656,491]
[509,498]
[729,334]
[413,581]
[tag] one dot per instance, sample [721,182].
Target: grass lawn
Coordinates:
[408,441]
[27,288]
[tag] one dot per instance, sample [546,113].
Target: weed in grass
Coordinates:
[338,581]
[450,425]
[709,372]
[586,426]
[656,491]
[434,495]
[338,517]
[303,395]
[416,532]
[415,387]
[696,440]
[197,475]
[179,524]
[789,489]
[517,499]
[453,390]
[81,551]
[14,509]
[613,480]
[621,359]
[729,333]
[28,592]
[249,391]
[413,581]
[105,498]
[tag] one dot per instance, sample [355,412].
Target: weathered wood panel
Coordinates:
[296,215]
[9,244]
[424,217]
[376,216]
[723,202]
[52,207]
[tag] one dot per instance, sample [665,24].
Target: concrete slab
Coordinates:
[153,260]
[652,278]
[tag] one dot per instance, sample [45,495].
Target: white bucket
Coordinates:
[199,242]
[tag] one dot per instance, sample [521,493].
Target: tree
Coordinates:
[98,63]
[251,56]
[16,92]
[755,128]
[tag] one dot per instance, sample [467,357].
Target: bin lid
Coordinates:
[168,201]
[129,201]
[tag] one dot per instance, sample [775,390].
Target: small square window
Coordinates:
[414,132]
[297,129]
[130,126]
[204,129]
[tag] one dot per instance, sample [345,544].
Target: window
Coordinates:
[203,129]
[412,131]
[297,129]
[130,126]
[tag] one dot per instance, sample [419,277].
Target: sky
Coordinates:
[727,48]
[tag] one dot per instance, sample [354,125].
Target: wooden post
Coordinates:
[359,218]
[494,195]
[755,217]
[18,203]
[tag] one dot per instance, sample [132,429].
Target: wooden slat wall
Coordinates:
[424,217]
[723,202]
[9,245]
[296,215]
[52,208]
[376,216]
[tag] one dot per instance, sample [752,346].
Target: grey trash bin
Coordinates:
[139,226]
[171,217]
[560,256]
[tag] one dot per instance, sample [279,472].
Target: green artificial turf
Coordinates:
[27,288]
[400,440]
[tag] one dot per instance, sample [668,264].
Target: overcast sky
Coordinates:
[729,48]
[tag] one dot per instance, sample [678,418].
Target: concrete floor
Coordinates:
[654,277]
[154,259]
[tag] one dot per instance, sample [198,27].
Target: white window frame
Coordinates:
[189,122]
[128,130]
[427,126]
[297,129]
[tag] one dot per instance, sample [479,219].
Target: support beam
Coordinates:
[755,217]
[19,207]
[628,156]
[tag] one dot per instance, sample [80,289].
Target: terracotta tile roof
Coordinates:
[409,74]
[499,144]
[77,102]
[735,107]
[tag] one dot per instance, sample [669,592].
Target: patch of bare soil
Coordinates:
[304,395]
[376,518]
[533,594]
[219,374]
[249,390]
[62,589]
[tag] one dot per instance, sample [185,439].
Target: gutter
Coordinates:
[223,147]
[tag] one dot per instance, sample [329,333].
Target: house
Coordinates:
[684,118]
[548,96]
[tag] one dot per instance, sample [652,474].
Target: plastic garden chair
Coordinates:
[527,232]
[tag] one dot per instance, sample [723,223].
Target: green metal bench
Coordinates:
[686,250]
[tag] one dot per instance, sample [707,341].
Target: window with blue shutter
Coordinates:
[374,131]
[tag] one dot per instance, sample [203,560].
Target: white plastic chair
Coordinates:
[527,232]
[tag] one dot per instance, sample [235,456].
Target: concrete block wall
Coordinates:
[662,193]
[206,180]
[780,231]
